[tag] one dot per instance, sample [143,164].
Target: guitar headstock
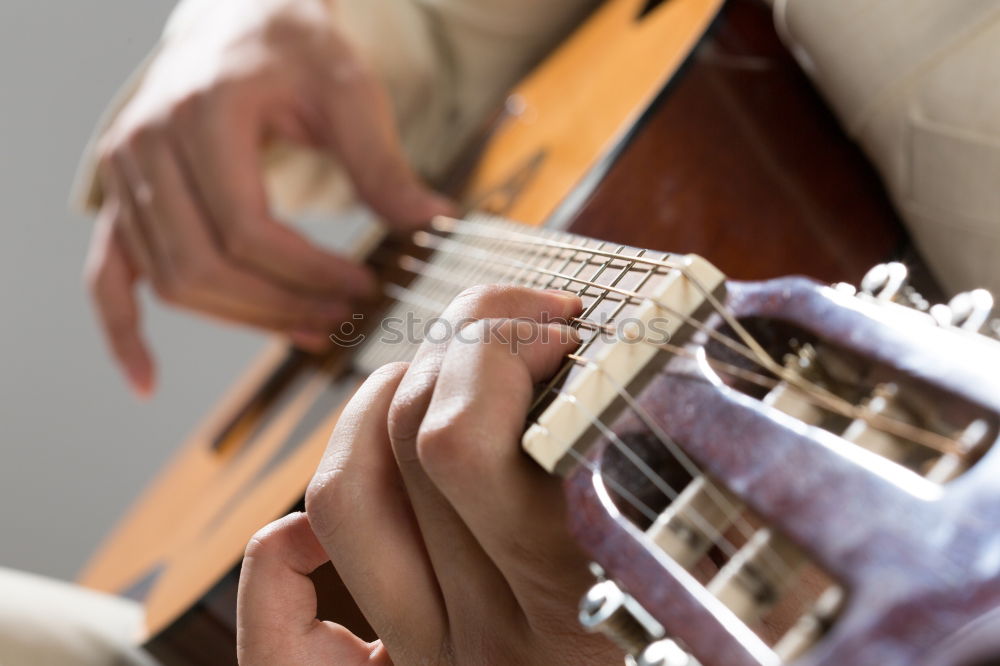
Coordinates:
[801,473]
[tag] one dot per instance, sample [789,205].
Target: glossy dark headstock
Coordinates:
[919,561]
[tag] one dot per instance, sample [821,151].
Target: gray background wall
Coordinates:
[75,447]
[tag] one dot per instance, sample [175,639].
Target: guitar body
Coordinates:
[732,156]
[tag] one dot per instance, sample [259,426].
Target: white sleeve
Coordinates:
[917,84]
[45,622]
[445,63]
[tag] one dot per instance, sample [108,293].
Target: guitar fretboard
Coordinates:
[489,250]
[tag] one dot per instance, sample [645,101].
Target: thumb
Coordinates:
[276,606]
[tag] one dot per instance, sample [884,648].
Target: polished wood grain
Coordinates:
[742,163]
[575,109]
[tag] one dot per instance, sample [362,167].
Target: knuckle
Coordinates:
[325,496]
[402,424]
[187,108]
[406,410]
[227,90]
[170,289]
[241,242]
[439,447]
[194,270]
[140,138]
[484,300]
[389,372]
[265,541]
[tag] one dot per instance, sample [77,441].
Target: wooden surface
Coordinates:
[578,106]
[815,208]
[743,164]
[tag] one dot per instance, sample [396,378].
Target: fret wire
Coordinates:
[543,259]
[459,227]
[763,357]
[518,276]
[565,265]
[816,394]
[553,275]
[675,451]
[560,375]
[735,345]
[554,259]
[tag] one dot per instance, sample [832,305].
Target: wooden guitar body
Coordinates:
[734,158]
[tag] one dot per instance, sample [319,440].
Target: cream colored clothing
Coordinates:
[917,84]
[49,623]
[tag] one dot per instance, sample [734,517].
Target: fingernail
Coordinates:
[563,294]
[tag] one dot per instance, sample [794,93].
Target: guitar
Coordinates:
[795,473]
[721,162]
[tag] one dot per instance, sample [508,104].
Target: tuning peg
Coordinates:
[845,288]
[971,309]
[663,653]
[942,315]
[884,281]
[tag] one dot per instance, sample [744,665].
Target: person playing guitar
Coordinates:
[453,544]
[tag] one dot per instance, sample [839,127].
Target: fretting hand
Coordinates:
[452,542]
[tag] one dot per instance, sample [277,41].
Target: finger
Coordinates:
[197,275]
[221,154]
[111,280]
[486,302]
[118,206]
[465,572]
[361,129]
[359,511]
[276,606]
[469,444]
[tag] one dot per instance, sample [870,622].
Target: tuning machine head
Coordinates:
[969,310]
[608,609]
[884,282]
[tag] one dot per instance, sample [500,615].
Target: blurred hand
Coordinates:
[185,204]
[452,542]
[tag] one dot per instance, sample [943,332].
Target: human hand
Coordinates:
[451,541]
[184,200]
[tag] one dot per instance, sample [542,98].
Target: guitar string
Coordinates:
[629,264]
[774,560]
[552,275]
[822,398]
[892,426]
[816,395]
